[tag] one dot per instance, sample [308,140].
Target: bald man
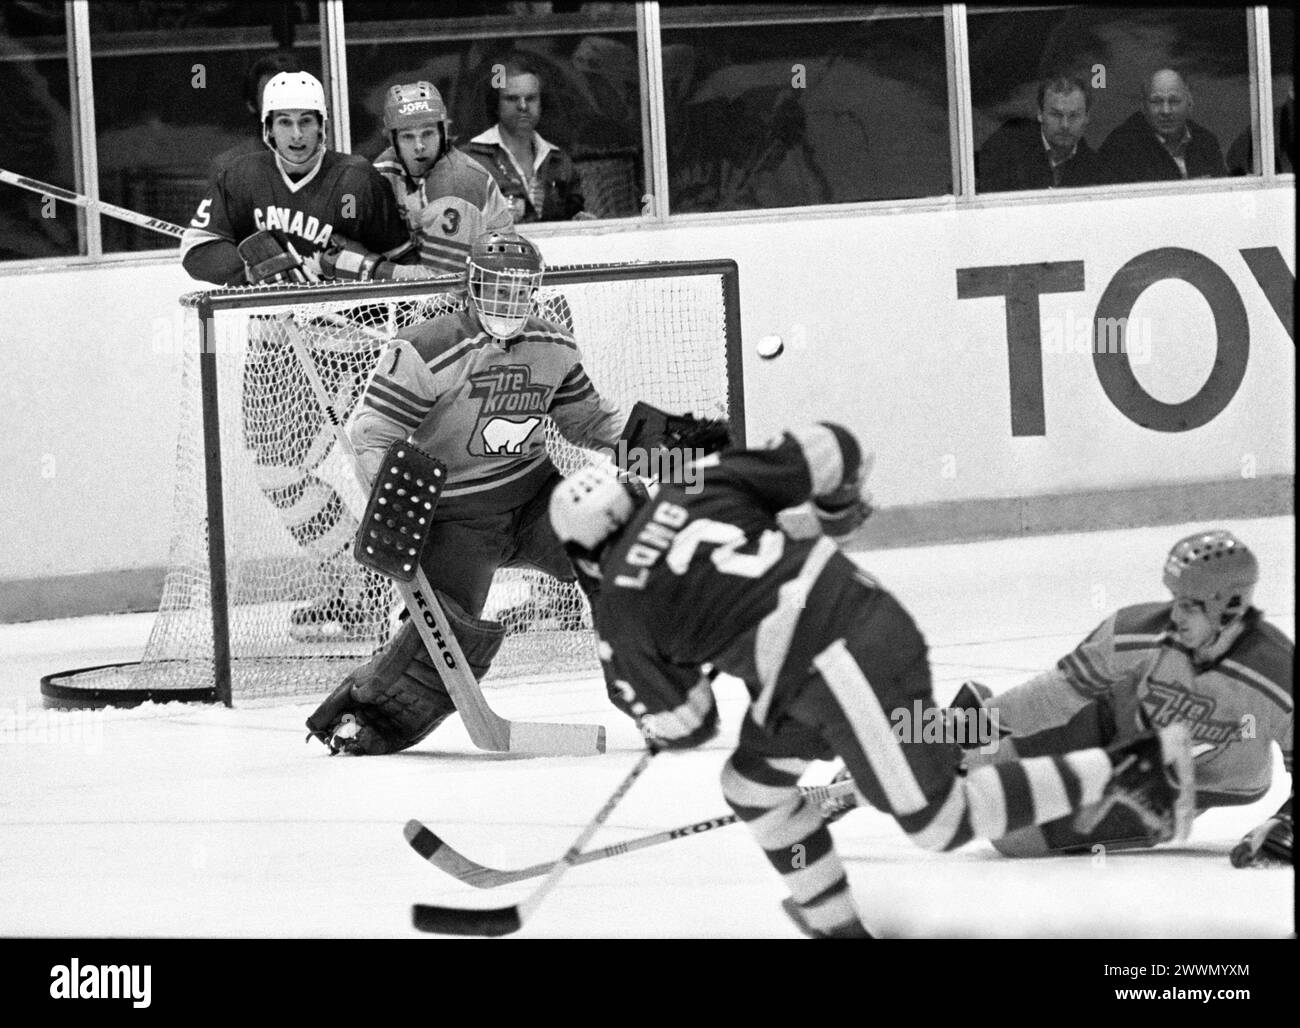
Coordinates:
[1161,142]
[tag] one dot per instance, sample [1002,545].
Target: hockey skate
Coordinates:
[1154,778]
[855,930]
[835,808]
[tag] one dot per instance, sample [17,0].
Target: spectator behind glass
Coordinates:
[1241,154]
[1161,142]
[262,71]
[1046,153]
[536,177]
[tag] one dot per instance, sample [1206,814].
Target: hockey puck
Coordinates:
[770,347]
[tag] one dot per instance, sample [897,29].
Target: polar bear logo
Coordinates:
[501,435]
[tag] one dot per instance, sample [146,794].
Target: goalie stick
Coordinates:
[443,856]
[497,921]
[486,728]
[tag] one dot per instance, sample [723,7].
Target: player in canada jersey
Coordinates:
[1206,659]
[297,188]
[702,575]
[313,201]
[474,388]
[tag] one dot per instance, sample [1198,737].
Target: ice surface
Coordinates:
[200,821]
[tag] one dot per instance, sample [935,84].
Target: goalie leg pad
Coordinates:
[479,640]
[388,704]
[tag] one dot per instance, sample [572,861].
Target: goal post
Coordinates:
[266,508]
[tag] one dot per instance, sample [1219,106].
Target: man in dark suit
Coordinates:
[1161,142]
[1045,153]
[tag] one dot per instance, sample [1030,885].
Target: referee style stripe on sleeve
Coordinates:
[939,834]
[572,389]
[822,452]
[1254,680]
[871,727]
[1081,672]
[382,402]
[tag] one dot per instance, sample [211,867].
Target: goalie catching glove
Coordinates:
[649,429]
[1268,845]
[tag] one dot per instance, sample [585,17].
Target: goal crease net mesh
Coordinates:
[665,333]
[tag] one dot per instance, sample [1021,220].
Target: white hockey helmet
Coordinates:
[589,506]
[503,272]
[294,91]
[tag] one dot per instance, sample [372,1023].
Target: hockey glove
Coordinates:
[267,259]
[1268,845]
[346,260]
[842,511]
[684,727]
[649,428]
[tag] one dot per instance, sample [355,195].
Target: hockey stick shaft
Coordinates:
[112,210]
[487,729]
[504,920]
[442,856]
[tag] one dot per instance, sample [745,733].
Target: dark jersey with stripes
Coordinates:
[703,574]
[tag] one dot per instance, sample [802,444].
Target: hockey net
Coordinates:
[266,503]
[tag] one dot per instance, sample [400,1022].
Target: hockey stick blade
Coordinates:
[448,859]
[499,921]
[492,923]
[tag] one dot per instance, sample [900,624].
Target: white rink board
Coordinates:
[876,337]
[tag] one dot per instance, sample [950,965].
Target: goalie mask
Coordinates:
[1215,569]
[504,271]
[590,506]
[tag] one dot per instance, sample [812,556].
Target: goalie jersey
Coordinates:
[342,194]
[1234,707]
[703,574]
[480,406]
